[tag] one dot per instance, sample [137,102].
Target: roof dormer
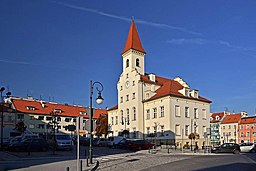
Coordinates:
[57,110]
[194,93]
[31,108]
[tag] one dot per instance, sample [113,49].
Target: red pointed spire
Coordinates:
[133,40]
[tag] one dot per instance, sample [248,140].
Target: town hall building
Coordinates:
[153,107]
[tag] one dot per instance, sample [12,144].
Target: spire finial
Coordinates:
[133,18]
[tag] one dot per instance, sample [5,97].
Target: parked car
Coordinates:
[61,141]
[82,140]
[248,147]
[140,145]
[227,148]
[102,142]
[35,144]
[123,144]
[113,141]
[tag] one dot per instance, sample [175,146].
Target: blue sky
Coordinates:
[54,48]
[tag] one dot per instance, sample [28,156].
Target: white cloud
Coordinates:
[153,24]
[181,41]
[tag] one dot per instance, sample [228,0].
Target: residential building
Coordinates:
[215,121]
[38,115]
[229,127]
[247,130]
[154,107]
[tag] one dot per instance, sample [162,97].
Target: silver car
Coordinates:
[248,147]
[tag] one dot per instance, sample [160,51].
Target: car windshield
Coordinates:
[63,137]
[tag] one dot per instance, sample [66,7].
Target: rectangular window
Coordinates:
[187,112]
[67,119]
[177,111]
[121,99]
[48,118]
[195,113]
[241,127]
[116,120]
[248,134]
[20,116]
[41,126]
[155,130]
[59,119]
[242,134]
[223,127]
[162,111]
[154,113]
[121,88]
[133,95]
[162,130]
[204,113]
[127,97]
[177,129]
[133,83]
[186,130]
[112,120]
[229,127]
[148,114]
[247,126]
[148,130]
[40,118]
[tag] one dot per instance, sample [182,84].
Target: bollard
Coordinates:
[67,168]
[87,161]
[81,165]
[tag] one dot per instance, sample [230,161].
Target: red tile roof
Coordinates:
[97,113]
[45,108]
[168,87]
[248,120]
[232,118]
[133,40]
[214,115]
[113,108]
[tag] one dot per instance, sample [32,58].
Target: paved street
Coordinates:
[116,159]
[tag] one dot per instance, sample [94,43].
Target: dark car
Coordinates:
[35,144]
[140,145]
[227,148]
[82,140]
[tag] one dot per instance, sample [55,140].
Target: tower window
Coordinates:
[137,62]
[127,63]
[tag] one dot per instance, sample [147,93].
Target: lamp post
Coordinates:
[124,122]
[2,113]
[99,100]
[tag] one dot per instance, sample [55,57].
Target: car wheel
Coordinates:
[236,151]
[252,151]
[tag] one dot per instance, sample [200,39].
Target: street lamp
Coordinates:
[124,122]
[99,100]
[2,113]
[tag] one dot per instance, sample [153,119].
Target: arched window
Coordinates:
[127,63]
[122,115]
[134,113]
[137,62]
[127,112]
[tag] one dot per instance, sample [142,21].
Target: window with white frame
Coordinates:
[162,111]
[148,130]
[134,113]
[116,120]
[177,129]
[155,130]
[186,130]
[121,99]
[133,83]
[128,115]
[148,114]
[204,113]
[177,110]
[248,134]
[187,112]
[162,130]
[112,120]
[133,95]
[241,127]
[121,88]
[154,113]
[122,115]
[242,134]
[195,113]
[247,126]
[127,97]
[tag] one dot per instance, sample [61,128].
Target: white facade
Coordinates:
[147,104]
